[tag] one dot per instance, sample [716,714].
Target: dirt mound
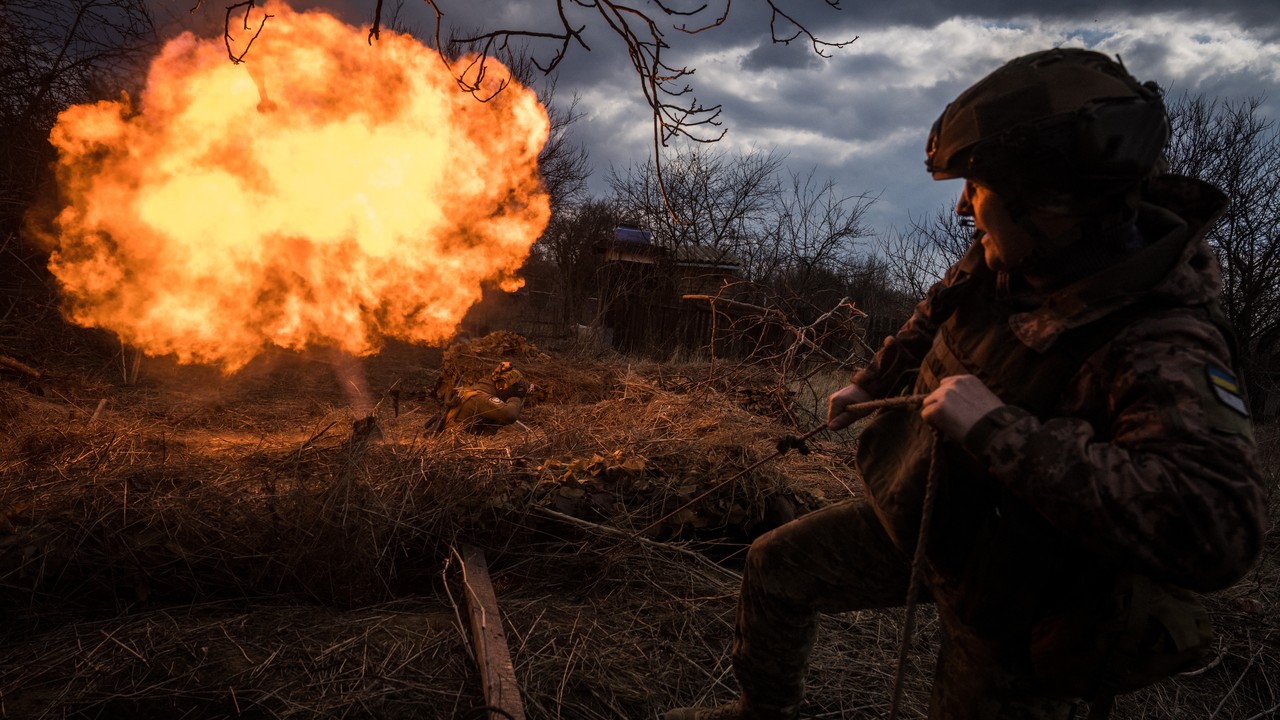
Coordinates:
[584,380]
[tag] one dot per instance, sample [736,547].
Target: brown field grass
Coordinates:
[201,546]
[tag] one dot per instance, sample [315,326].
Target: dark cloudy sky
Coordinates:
[861,116]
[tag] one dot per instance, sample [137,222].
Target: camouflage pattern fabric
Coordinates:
[1145,457]
[837,559]
[840,559]
[481,409]
[1141,461]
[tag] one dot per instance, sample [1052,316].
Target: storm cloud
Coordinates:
[861,114]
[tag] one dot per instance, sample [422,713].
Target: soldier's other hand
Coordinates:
[838,417]
[958,404]
[517,389]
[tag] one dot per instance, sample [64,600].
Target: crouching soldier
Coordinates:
[487,405]
[1094,463]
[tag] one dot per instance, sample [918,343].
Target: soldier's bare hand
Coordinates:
[838,417]
[958,404]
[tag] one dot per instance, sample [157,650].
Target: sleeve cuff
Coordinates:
[979,436]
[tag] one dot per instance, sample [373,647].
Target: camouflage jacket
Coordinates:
[480,408]
[1142,460]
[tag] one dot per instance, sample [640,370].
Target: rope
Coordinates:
[913,587]
[784,446]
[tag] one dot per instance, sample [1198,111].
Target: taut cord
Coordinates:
[917,572]
[786,444]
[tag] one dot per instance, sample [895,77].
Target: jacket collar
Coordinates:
[1177,265]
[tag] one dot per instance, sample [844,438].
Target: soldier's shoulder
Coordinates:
[1173,324]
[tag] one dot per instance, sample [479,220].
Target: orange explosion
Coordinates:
[325,192]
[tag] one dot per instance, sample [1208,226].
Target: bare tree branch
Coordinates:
[375,30]
[676,111]
[920,255]
[227,38]
[59,53]
[819,46]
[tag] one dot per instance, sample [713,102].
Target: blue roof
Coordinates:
[632,235]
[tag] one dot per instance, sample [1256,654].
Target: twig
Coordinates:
[248,5]
[776,315]
[457,615]
[311,440]
[1222,651]
[1235,684]
[1265,713]
[375,30]
[102,404]
[675,111]
[131,651]
[818,45]
[21,367]
[605,529]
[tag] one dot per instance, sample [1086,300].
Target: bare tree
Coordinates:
[1228,143]
[58,53]
[570,243]
[918,256]
[794,236]
[61,52]
[791,233]
[810,238]
[713,199]
[562,163]
[872,286]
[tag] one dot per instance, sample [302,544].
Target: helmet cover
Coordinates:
[1061,122]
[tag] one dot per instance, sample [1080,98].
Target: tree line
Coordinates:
[801,241]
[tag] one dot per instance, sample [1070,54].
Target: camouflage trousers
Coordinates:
[839,559]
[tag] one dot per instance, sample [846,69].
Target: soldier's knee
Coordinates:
[765,552]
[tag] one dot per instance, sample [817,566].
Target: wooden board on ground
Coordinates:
[496,671]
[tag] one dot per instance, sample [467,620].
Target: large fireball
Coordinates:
[324,192]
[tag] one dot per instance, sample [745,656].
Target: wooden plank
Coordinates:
[496,671]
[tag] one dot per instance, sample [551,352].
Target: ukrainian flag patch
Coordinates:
[1227,389]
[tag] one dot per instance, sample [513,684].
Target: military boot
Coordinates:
[732,710]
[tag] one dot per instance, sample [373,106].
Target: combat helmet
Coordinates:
[1055,124]
[507,380]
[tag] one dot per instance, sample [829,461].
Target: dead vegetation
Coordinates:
[200,546]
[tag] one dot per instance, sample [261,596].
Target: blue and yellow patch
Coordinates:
[1227,389]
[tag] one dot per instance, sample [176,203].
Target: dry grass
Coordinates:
[212,547]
